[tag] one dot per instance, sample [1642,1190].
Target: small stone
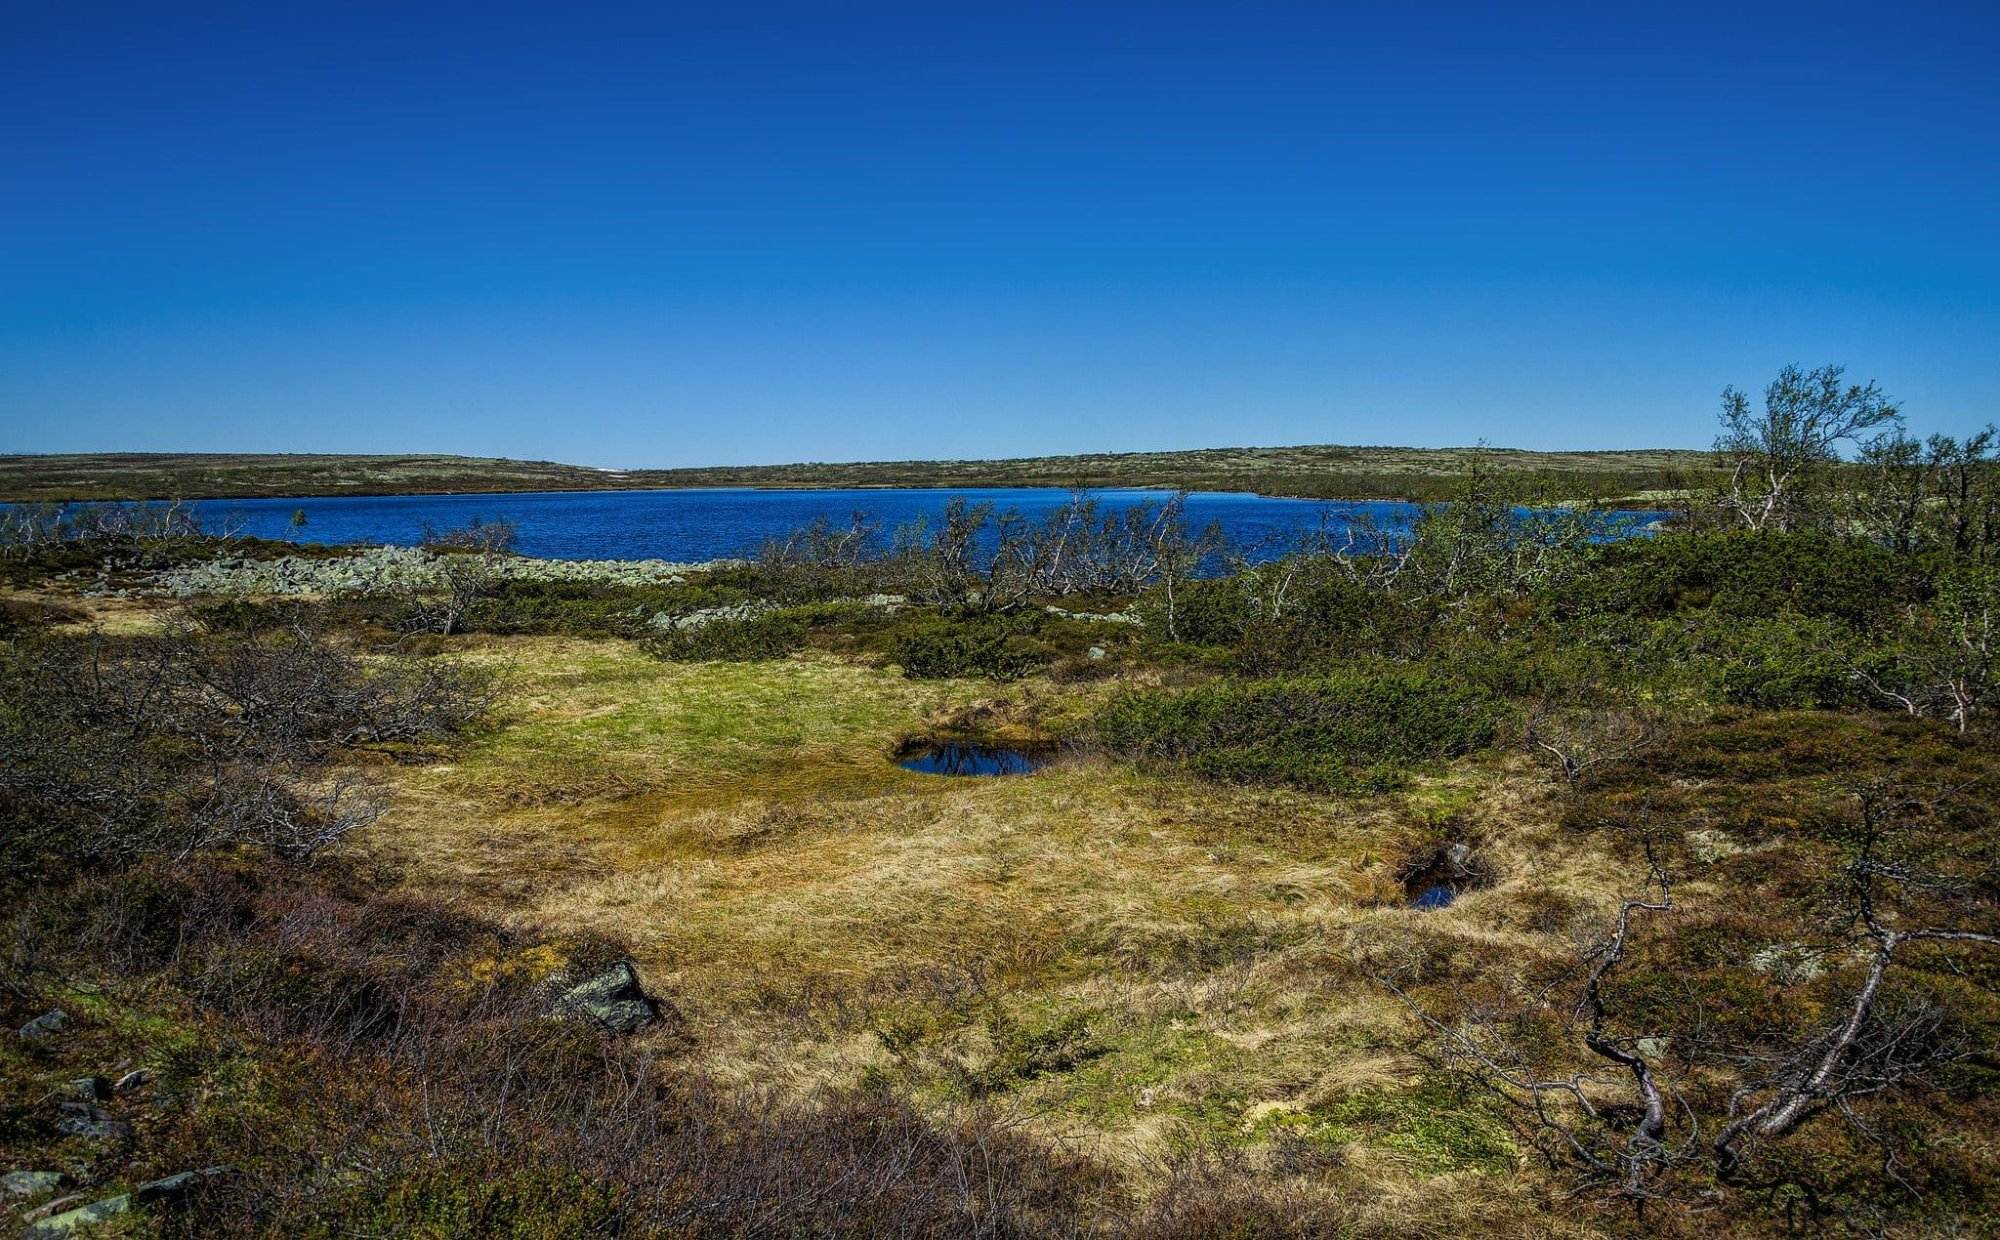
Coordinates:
[170,1190]
[86,1216]
[31,1183]
[89,1088]
[45,1026]
[1096,652]
[135,1079]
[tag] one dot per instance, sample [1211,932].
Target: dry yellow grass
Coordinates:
[1129,961]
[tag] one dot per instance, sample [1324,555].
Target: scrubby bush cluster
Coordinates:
[202,737]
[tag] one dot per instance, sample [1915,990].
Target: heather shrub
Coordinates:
[1323,732]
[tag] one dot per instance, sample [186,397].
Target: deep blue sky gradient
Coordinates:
[691,234]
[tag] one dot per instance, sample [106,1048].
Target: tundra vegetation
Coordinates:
[1491,874]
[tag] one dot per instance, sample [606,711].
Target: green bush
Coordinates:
[1782,662]
[1320,732]
[941,649]
[764,635]
[1742,573]
[1214,612]
[1335,619]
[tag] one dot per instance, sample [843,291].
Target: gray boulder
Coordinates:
[614,999]
[45,1026]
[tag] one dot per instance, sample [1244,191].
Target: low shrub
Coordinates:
[1319,732]
[1742,573]
[1214,612]
[731,639]
[941,649]
[189,739]
[1781,662]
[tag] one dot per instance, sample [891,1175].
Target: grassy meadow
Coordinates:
[1129,960]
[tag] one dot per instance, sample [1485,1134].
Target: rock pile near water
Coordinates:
[393,570]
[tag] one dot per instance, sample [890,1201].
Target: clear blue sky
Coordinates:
[721,233]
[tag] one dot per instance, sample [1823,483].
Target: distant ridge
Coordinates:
[1314,471]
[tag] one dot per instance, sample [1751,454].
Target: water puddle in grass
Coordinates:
[1437,896]
[967,758]
[1434,879]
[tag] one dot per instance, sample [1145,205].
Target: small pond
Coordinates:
[1435,878]
[971,758]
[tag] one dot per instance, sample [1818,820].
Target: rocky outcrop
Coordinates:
[392,570]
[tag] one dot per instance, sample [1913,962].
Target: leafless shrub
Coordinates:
[977,557]
[488,537]
[1576,741]
[112,750]
[27,528]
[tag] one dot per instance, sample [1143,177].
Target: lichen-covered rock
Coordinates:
[710,615]
[613,999]
[1097,617]
[70,1221]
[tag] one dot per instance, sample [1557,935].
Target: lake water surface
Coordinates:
[709,524]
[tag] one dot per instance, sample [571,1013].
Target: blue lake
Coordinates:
[713,523]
